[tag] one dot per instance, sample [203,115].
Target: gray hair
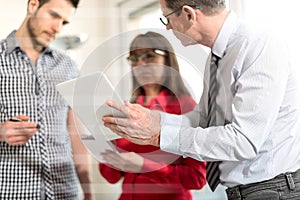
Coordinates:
[208,7]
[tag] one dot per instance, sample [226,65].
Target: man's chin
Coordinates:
[47,42]
[41,43]
[185,40]
[44,44]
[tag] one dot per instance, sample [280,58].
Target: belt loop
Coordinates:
[290,181]
[239,192]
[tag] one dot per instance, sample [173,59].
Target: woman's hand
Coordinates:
[125,161]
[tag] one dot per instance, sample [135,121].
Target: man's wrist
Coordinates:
[155,140]
[1,135]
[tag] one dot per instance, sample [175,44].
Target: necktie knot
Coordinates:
[214,58]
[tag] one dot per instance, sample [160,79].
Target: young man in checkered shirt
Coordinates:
[36,158]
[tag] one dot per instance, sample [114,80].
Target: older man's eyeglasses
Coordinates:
[147,57]
[164,19]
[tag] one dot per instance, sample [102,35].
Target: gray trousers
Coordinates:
[282,187]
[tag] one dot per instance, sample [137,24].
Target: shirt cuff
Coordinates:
[170,133]
[169,139]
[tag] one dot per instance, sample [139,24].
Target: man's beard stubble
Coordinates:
[33,36]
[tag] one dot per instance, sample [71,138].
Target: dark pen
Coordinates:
[20,120]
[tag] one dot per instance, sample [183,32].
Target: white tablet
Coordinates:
[87,95]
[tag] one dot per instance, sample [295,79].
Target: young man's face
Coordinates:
[45,23]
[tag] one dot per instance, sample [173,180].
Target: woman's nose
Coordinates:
[140,61]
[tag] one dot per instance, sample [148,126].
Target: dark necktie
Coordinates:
[212,168]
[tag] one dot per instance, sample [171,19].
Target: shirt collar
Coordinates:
[162,98]
[223,37]
[13,43]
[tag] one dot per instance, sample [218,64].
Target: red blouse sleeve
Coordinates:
[187,103]
[110,174]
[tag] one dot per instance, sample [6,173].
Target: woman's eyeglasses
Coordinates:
[147,56]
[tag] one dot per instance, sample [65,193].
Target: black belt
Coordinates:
[287,179]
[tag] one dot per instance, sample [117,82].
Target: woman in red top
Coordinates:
[149,173]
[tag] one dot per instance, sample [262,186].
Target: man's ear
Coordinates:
[190,13]
[32,6]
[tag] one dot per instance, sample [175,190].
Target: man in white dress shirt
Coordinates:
[257,132]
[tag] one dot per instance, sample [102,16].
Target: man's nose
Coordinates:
[57,26]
